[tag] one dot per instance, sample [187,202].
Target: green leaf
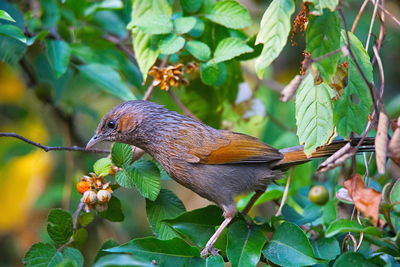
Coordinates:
[198,225]
[102,166]
[153,22]
[121,155]
[343,225]
[184,24]
[13,32]
[321,40]
[42,254]
[140,7]
[210,73]
[318,6]
[314,114]
[145,53]
[326,248]
[171,44]
[85,219]
[229,48]
[229,13]
[329,213]
[271,194]
[4,15]
[289,246]
[60,226]
[73,255]
[198,49]
[146,177]
[394,195]
[114,211]
[121,260]
[101,251]
[167,253]
[166,206]
[80,236]
[274,31]
[108,79]
[356,100]
[351,259]
[191,6]
[245,243]
[58,53]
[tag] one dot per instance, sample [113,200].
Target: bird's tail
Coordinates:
[295,155]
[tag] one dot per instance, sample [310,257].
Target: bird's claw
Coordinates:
[207,251]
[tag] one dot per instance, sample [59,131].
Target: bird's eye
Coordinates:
[111,124]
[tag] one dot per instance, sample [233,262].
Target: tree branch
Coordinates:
[55,148]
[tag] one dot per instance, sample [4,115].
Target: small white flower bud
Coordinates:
[89,197]
[103,196]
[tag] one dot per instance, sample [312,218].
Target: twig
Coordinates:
[151,87]
[54,148]
[118,42]
[76,214]
[322,57]
[370,85]
[381,73]
[371,25]
[389,14]
[357,19]
[182,106]
[285,193]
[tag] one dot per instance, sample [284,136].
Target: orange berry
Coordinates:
[82,186]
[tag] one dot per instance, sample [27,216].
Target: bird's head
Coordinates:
[117,124]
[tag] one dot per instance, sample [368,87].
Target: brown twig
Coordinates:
[55,148]
[381,73]
[389,14]
[357,19]
[285,193]
[182,106]
[119,43]
[151,87]
[76,214]
[371,25]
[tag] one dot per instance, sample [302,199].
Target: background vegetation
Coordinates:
[64,63]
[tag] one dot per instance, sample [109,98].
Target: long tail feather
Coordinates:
[295,155]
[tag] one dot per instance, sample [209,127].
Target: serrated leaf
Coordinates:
[166,206]
[13,32]
[114,211]
[145,53]
[229,48]
[314,114]
[284,248]
[58,53]
[229,13]
[154,22]
[353,107]
[74,256]
[245,244]
[191,6]
[4,15]
[42,254]
[198,49]
[184,24]
[140,7]
[171,44]
[146,177]
[102,166]
[274,31]
[121,155]
[210,73]
[60,226]
[318,6]
[321,40]
[108,79]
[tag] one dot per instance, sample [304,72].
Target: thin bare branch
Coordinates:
[151,87]
[371,25]
[55,148]
[357,19]
[182,106]
[285,193]
[389,14]
[381,73]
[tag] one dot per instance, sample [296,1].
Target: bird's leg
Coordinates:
[251,202]
[229,214]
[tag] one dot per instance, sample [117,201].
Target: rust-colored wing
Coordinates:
[230,148]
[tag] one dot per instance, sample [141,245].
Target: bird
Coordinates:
[216,164]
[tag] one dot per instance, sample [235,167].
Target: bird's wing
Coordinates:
[230,148]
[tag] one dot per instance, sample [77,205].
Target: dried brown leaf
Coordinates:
[289,91]
[381,142]
[366,200]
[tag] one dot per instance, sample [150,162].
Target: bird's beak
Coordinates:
[95,139]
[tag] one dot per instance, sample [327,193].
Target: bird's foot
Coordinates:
[208,250]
